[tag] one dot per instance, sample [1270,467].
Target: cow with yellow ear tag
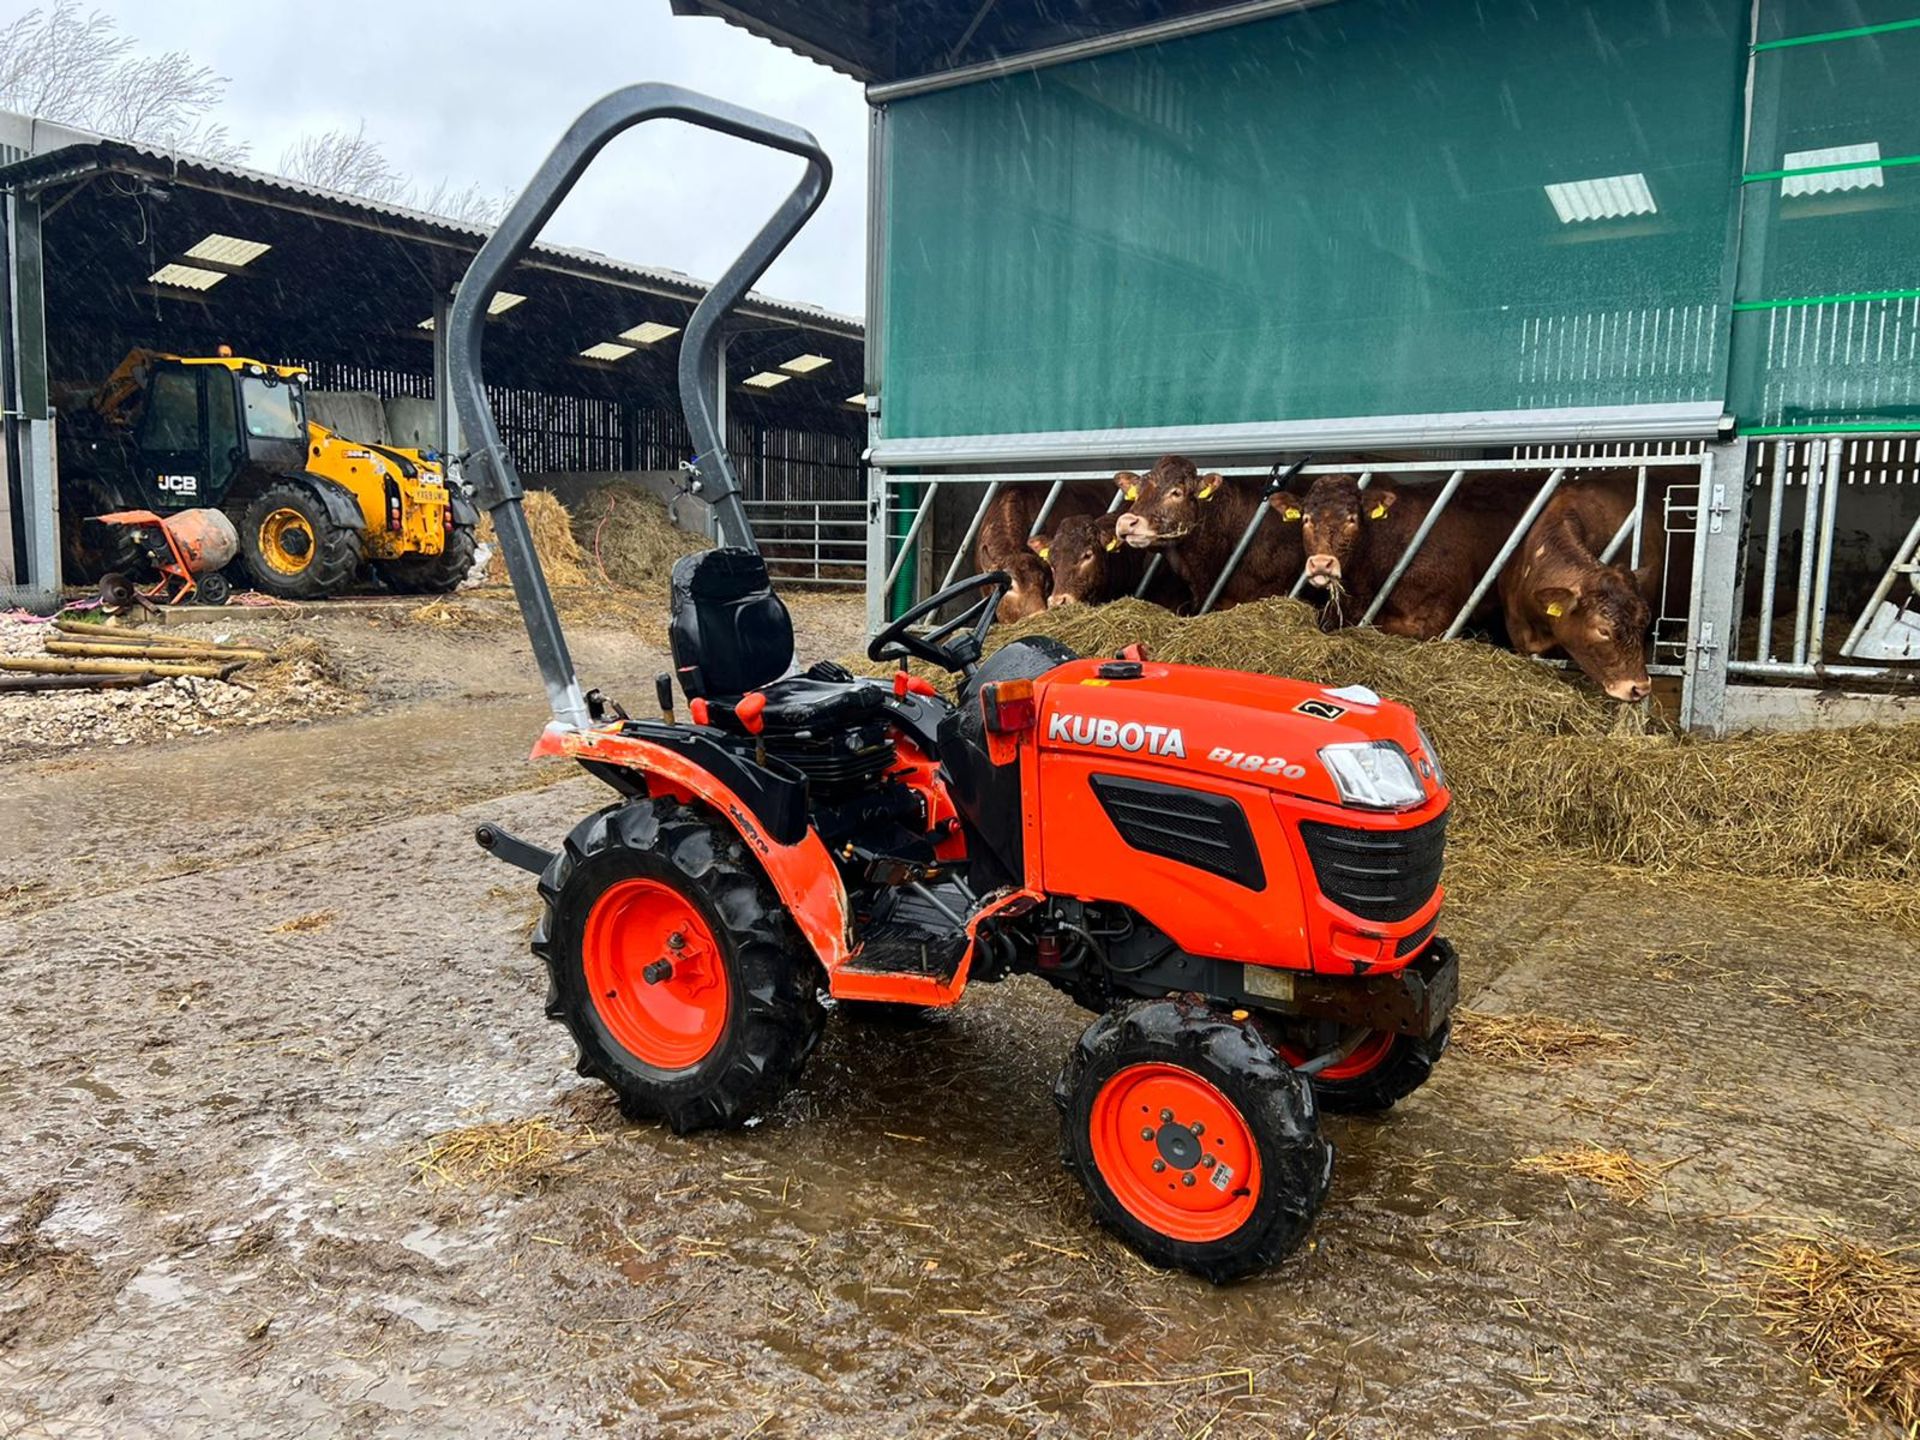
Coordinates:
[1197,520]
[1092,565]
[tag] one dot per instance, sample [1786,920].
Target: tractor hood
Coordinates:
[1256,729]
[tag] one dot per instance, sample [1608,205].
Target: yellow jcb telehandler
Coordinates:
[312,508]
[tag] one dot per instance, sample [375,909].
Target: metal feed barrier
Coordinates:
[1697,633]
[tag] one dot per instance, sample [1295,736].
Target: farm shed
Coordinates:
[111,245]
[1672,237]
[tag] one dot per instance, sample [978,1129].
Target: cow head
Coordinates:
[1165,505]
[1602,623]
[1028,595]
[1081,553]
[1332,520]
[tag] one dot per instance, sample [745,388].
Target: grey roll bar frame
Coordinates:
[490,468]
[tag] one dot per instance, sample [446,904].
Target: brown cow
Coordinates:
[1092,566]
[1558,596]
[1355,537]
[1002,541]
[1196,521]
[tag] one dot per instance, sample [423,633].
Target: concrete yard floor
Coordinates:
[211,1222]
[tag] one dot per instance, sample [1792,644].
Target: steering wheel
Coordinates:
[897,641]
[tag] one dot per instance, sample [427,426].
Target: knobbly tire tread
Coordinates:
[433,574]
[338,551]
[775,1017]
[1296,1160]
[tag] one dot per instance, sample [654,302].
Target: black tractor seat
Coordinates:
[732,639]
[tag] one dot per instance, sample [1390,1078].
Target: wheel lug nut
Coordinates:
[676,941]
[1146,1132]
[1158,1166]
[1166,1117]
[1206,1162]
[1187,1179]
[1198,1128]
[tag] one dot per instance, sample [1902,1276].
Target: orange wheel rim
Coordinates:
[1364,1058]
[655,974]
[1176,1153]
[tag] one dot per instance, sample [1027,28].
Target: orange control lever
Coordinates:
[750,710]
[905,684]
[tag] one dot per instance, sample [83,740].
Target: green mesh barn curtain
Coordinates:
[1827,319]
[1374,207]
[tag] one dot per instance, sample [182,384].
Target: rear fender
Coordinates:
[803,873]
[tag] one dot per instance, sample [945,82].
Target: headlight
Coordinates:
[1376,774]
[1433,756]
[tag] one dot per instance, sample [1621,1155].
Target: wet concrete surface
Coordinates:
[211,1223]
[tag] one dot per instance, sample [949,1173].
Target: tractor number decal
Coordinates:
[178,484]
[1110,734]
[1320,709]
[1263,764]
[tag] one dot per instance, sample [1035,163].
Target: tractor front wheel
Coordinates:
[433,574]
[293,548]
[674,967]
[1377,1069]
[1197,1143]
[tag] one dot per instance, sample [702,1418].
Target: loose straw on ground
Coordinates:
[1852,1310]
[1618,1173]
[514,1155]
[1527,1039]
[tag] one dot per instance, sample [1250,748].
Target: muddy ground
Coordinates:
[250,975]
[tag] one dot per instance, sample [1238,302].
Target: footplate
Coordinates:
[909,950]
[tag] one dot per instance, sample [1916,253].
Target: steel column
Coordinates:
[876,548]
[1823,579]
[1719,527]
[26,429]
[1816,472]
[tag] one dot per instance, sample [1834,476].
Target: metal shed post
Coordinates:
[446,417]
[1719,534]
[26,433]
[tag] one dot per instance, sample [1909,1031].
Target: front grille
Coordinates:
[1416,942]
[1383,875]
[1208,832]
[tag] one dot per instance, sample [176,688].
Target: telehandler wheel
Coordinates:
[293,548]
[1198,1144]
[433,574]
[674,967]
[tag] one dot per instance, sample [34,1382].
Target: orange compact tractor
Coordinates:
[1239,875]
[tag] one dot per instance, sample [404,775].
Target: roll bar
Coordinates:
[489,468]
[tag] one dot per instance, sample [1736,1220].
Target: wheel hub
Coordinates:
[1175,1151]
[656,975]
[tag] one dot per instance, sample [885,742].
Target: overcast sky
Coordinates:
[479,91]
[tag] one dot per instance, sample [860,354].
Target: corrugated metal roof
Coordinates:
[134,157]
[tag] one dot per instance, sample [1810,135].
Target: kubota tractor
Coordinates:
[1238,874]
[168,433]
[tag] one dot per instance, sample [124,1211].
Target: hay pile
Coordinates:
[1855,1313]
[1546,772]
[552,527]
[626,536]
[1528,1040]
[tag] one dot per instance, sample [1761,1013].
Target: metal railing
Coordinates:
[1836,568]
[813,542]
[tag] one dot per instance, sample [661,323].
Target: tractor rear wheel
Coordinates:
[293,548]
[674,967]
[1197,1143]
[433,574]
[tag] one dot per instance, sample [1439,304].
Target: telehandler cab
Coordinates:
[168,433]
[1238,874]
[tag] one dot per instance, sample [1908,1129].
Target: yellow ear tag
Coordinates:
[1556,609]
[1045,552]
[1206,490]
[1379,512]
[1113,544]
[1131,492]
[1292,512]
